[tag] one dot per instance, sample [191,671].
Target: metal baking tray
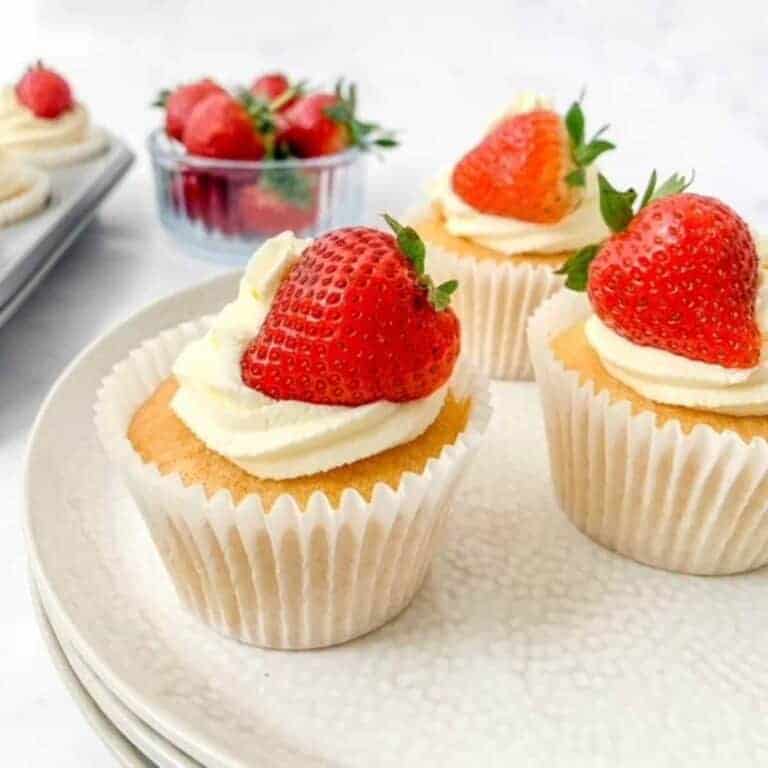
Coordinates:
[28,249]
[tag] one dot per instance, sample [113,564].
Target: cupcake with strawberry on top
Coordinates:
[506,216]
[250,163]
[654,381]
[294,457]
[42,123]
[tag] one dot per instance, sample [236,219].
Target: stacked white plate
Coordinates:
[529,645]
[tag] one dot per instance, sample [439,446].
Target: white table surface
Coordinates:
[682,82]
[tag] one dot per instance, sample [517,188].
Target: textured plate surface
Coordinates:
[529,645]
[127,755]
[29,248]
[154,749]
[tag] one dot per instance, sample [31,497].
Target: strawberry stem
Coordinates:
[362,134]
[412,246]
[617,209]
[583,153]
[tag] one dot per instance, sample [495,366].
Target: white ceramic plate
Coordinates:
[529,645]
[153,748]
[127,755]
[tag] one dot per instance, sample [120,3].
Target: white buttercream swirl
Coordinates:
[583,226]
[70,137]
[23,190]
[672,379]
[270,438]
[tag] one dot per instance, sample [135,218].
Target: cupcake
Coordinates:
[654,384]
[294,456]
[41,123]
[505,217]
[23,190]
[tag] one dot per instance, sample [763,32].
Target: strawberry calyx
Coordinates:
[412,246]
[617,209]
[161,100]
[290,185]
[583,153]
[363,135]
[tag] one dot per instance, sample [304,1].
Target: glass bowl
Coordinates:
[223,209]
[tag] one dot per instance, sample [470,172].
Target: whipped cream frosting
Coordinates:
[70,137]
[583,226]
[279,439]
[672,379]
[23,190]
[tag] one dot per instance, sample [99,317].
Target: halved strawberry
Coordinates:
[530,167]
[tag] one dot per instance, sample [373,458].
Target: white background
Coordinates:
[683,83]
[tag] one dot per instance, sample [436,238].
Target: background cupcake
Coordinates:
[295,458]
[42,123]
[655,391]
[23,190]
[505,217]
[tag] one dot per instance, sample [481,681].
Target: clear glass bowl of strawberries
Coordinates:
[235,167]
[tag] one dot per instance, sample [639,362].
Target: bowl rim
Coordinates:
[169,154]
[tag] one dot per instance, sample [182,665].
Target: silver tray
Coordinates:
[30,248]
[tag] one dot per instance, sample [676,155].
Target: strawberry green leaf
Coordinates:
[615,206]
[576,269]
[590,152]
[674,185]
[649,190]
[290,184]
[409,242]
[162,98]
[574,123]
[582,154]
[576,178]
[362,134]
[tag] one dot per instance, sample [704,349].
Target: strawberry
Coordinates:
[284,199]
[45,92]
[180,103]
[205,197]
[355,321]
[530,167]
[220,126]
[326,123]
[269,87]
[680,274]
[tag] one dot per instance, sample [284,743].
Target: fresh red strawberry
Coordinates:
[269,87]
[326,123]
[220,126]
[679,275]
[354,321]
[205,197]
[180,103]
[262,210]
[44,92]
[530,167]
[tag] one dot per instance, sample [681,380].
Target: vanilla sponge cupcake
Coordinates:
[505,218]
[294,468]
[655,385]
[42,124]
[24,191]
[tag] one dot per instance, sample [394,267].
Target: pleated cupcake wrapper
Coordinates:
[286,577]
[693,503]
[494,302]
[30,201]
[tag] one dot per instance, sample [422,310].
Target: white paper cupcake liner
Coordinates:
[693,503]
[57,157]
[493,302]
[37,191]
[286,577]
